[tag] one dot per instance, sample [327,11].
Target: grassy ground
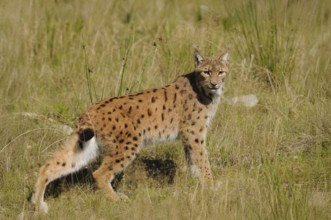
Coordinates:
[274,160]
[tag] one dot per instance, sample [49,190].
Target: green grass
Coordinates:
[273,160]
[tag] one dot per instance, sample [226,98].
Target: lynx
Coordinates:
[118,128]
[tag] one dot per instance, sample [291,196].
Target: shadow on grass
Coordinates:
[160,170]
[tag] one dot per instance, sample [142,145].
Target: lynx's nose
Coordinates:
[213,86]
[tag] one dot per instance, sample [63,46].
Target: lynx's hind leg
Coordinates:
[77,151]
[124,145]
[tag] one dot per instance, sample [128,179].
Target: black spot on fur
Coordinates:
[149,112]
[112,99]
[165,96]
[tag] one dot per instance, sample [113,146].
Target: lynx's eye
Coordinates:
[221,73]
[207,72]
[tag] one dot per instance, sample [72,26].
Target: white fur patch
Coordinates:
[90,152]
[154,139]
[194,171]
[219,91]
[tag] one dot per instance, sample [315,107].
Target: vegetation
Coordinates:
[274,159]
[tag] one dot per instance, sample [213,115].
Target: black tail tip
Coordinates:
[86,135]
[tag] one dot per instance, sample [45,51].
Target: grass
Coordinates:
[273,160]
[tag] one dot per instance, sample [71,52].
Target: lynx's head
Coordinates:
[211,72]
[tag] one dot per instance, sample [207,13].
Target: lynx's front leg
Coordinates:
[197,156]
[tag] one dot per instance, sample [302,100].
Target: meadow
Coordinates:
[57,57]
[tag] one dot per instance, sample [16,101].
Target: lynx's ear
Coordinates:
[225,57]
[198,59]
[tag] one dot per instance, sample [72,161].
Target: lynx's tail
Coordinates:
[80,149]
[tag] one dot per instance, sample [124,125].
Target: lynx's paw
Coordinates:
[122,196]
[43,208]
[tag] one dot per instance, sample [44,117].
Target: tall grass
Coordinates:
[273,159]
[267,34]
